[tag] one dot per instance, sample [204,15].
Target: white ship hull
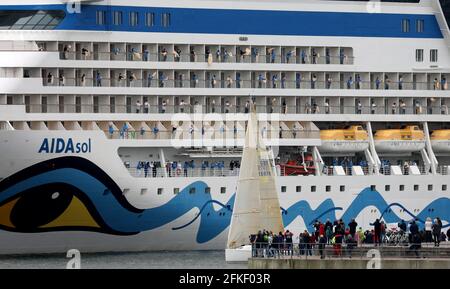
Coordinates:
[209,229]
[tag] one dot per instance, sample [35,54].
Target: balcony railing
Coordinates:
[233,83]
[384,170]
[207,134]
[241,108]
[182,173]
[222,57]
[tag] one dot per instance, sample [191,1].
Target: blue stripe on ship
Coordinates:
[249,22]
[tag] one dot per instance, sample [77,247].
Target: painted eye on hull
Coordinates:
[50,207]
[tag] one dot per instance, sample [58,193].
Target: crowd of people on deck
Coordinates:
[179,168]
[338,236]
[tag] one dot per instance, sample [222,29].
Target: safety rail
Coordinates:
[205,134]
[348,171]
[232,107]
[214,57]
[269,82]
[348,250]
[180,172]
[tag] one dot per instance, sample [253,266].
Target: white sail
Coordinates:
[256,204]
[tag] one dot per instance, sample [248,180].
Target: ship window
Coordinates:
[134,18]
[419,55]
[30,20]
[165,20]
[444,187]
[433,55]
[117,18]
[100,17]
[373,187]
[283,189]
[192,191]
[416,187]
[207,190]
[143,191]
[328,188]
[33,21]
[150,19]
[41,24]
[405,25]
[160,191]
[313,189]
[387,188]
[342,188]
[176,191]
[298,189]
[223,190]
[420,25]
[430,187]
[402,188]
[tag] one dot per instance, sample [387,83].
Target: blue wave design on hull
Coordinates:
[302,208]
[123,218]
[367,197]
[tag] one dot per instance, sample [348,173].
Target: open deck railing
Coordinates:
[234,108]
[345,250]
[183,173]
[222,57]
[268,82]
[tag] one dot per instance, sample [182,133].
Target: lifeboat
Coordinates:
[348,140]
[405,140]
[298,168]
[440,141]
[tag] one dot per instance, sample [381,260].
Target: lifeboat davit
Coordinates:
[404,140]
[440,141]
[348,140]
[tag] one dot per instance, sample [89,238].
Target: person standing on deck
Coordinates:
[377,229]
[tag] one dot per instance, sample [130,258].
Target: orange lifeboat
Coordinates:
[440,141]
[348,140]
[408,139]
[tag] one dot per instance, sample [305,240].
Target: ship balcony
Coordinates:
[215,135]
[141,111]
[131,82]
[185,53]
[130,78]
[224,56]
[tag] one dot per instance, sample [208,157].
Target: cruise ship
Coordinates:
[122,122]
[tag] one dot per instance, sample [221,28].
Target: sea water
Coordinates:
[144,260]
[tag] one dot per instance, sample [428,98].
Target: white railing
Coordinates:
[443,170]
[227,172]
[182,173]
[384,170]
